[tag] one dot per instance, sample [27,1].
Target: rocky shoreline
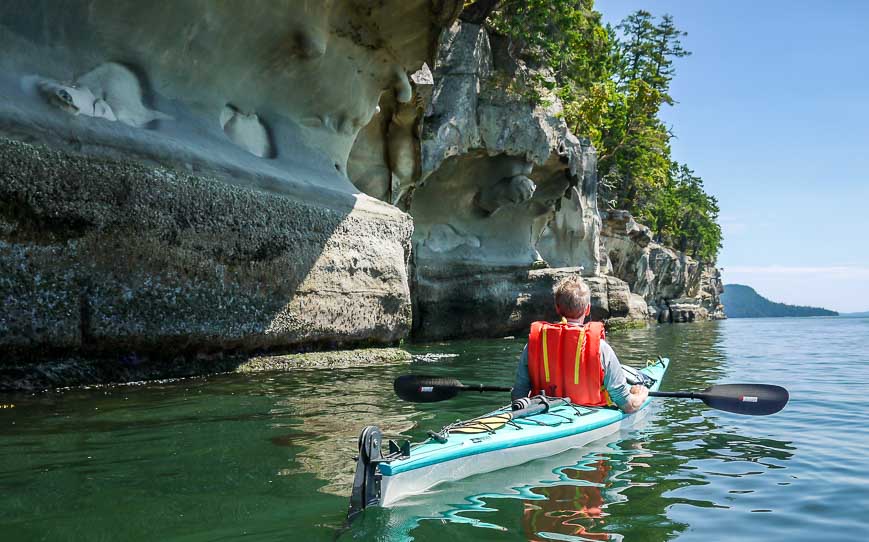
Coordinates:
[677,288]
[77,371]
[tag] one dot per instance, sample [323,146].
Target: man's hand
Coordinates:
[639,394]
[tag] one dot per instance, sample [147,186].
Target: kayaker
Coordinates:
[561,369]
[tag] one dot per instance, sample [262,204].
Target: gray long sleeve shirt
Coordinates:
[613,379]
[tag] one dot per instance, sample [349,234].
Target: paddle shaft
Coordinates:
[677,394]
[482,388]
[751,399]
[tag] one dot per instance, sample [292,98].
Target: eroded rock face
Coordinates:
[109,256]
[247,131]
[503,187]
[184,182]
[310,74]
[384,161]
[499,168]
[676,287]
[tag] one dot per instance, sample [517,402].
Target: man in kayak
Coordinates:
[572,359]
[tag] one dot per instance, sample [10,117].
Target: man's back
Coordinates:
[594,366]
[614,378]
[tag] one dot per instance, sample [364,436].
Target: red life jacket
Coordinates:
[564,361]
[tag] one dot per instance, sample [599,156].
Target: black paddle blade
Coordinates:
[426,389]
[751,399]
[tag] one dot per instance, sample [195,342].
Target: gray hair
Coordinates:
[572,296]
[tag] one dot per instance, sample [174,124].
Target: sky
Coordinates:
[773,114]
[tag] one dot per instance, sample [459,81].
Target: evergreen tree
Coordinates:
[666,46]
[634,51]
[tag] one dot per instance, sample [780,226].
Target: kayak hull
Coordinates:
[454,455]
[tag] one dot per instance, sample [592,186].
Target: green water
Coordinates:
[267,456]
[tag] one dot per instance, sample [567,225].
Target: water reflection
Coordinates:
[554,497]
[325,413]
[698,352]
[564,497]
[576,510]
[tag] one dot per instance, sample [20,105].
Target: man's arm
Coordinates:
[522,382]
[628,399]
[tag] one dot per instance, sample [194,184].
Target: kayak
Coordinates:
[509,436]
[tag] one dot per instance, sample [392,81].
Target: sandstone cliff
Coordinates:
[504,201]
[293,175]
[173,174]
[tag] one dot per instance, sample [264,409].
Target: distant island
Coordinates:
[855,314]
[742,301]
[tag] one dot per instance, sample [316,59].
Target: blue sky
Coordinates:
[773,114]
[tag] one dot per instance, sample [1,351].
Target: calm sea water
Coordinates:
[268,456]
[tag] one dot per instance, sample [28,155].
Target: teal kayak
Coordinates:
[503,438]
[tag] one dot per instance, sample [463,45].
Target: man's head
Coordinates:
[572,297]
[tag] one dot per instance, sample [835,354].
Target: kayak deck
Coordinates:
[561,421]
[452,455]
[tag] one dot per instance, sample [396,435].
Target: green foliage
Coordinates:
[683,215]
[613,83]
[635,147]
[565,38]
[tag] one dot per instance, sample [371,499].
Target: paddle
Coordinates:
[750,399]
